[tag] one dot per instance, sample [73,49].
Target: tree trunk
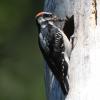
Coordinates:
[84,66]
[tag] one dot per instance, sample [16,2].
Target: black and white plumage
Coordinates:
[55,47]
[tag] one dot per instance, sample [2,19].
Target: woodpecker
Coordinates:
[55,47]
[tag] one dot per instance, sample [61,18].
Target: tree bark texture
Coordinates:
[84,69]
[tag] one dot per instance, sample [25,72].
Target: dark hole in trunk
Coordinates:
[69,27]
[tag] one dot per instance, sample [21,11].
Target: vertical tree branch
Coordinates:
[84,69]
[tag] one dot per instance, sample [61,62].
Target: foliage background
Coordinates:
[21,64]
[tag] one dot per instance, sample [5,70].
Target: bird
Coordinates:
[55,47]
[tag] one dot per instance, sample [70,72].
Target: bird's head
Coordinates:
[43,17]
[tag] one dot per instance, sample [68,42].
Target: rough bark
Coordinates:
[84,73]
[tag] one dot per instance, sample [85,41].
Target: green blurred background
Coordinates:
[21,63]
